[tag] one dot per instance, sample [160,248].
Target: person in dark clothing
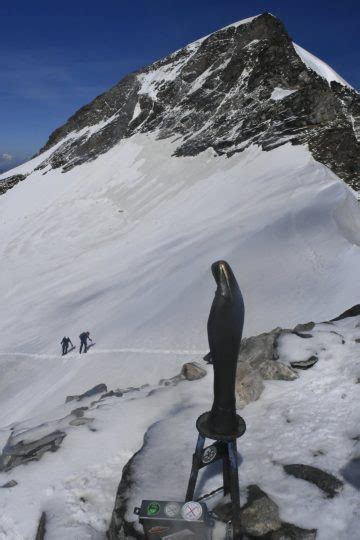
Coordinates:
[65,344]
[83,341]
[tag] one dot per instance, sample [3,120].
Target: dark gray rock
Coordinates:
[231,108]
[192,371]
[10,484]
[352,312]
[120,528]
[288,531]
[306,327]
[79,411]
[81,421]
[41,530]
[302,335]
[275,370]
[113,393]
[328,483]
[260,515]
[257,349]
[248,385]
[98,389]
[258,361]
[305,364]
[10,182]
[18,451]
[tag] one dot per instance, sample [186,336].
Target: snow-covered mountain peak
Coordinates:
[217,92]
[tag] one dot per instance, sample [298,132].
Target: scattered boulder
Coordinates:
[328,483]
[10,182]
[260,515]
[192,371]
[305,364]
[120,528]
[258,361]
[41,530]
[248,385]
[81,421]
[352,312]
[10,484]
[98,389]
[275,370]
[288,531]
[302,335]
[19,451]
[299,328]
[112,393]
[260,519]
[79,411]
[257,349]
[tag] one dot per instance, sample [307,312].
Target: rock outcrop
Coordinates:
[244,84]
[18,450]
[98,389]
[192,371]
[259,361]
[10,182]
[330,485]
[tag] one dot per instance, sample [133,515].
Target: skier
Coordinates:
[83,341]
[65,344]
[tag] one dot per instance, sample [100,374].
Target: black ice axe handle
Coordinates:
[225,326]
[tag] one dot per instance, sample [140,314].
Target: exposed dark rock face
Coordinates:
[18,451]
[10,484]
[119,527]
[40,534]
[305,364]
[260,519]
[193,371]
[218,92]
[10,182]
[98,389]
[288,531]
[260,515]
[330,485]
[352,312]
[258,361]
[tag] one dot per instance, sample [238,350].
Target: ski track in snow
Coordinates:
[108,351]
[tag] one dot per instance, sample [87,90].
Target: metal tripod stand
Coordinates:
[224,448]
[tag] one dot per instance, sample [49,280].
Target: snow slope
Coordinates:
[319,66]
[311,420]
[122,247]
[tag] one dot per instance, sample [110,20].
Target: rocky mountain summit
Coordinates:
[244,84]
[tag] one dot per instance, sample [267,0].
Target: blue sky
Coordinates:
[57,56]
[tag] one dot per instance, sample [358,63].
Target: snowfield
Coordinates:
[122,247]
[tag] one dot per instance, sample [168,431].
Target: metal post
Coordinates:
[195,468]
[226,472]
[234,490]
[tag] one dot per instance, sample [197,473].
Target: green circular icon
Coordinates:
[153,509]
